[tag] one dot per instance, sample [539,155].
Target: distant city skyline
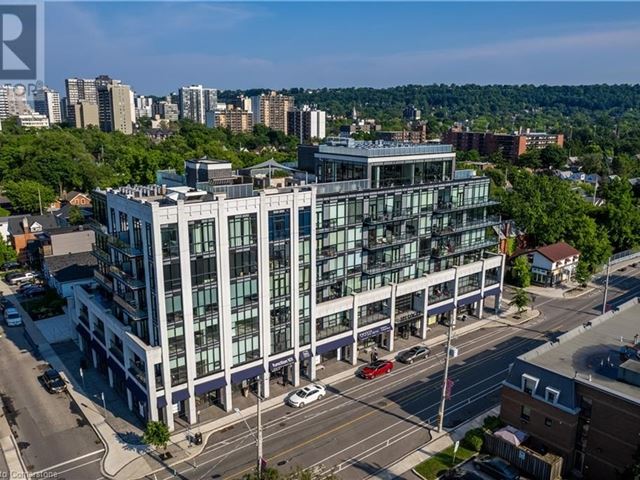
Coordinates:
[157,47]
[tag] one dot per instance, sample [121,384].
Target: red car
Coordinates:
[374,369]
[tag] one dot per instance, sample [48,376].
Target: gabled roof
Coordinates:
[557,251]
[71,267]
[47,222]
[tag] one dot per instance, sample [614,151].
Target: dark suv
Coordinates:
[496,467]
[416,353]
[53,382]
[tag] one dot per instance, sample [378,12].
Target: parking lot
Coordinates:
[49,428]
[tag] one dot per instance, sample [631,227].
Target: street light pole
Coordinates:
[259,429]
[606,288]
[445,379]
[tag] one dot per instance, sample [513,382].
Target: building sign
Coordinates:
[282,362]
[305,354]
[373,332]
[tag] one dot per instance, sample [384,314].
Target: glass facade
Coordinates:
[304,272]
[280,280]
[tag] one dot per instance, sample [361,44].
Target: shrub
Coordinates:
[493,423]
[474,439]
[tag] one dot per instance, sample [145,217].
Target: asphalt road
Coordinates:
[362,426]
[51,432]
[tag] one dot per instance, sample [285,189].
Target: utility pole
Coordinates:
[445,379]
[606,288]
[40,200]
[259,429]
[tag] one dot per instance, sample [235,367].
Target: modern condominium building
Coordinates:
[207,288]
[271,110]
[307,123]
[195,101]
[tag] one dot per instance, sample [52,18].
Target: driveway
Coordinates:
[50,429]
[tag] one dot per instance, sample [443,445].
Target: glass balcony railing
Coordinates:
[447,206]
[390,216]
[463,226]
[449,250]
[374,267]
[387,240]
[127,278]
[139,373]
[117,352]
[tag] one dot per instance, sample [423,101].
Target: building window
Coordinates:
[529,384]
[304,221]
[551,395]
[279,225]
[548,422]
[525,413]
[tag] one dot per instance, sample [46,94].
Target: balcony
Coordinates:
[138,372]
[447,251]
[377,267]
[443,207]
[332,223]
[131,307]
[99,335]
[117,352]
[326,278]
[461,227]
[387,241]
[83,318]
[100,254]
[390,216]
[121,242]
[327,253]
[128,279]
[104,281]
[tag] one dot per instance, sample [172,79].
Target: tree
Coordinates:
[521,271]
[622,216]
[156,434]
[28,196]
[7,253]
[583,273]
[521,299]
[76,216]
[553,156]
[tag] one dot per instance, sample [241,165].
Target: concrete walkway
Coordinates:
[15,467]
[439,442]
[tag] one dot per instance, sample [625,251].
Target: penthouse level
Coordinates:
[202,292]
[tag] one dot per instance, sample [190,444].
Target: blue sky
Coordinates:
[158,46]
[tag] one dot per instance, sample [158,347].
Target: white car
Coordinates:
[306,395]
[12,317]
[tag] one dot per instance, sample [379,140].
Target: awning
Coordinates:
[84,333]
[374,331]
[161,402]
[209,385]
[440,309]
[469,300]
[492,291]
[179,396]
[115,367]
[237,377]
[281,362]
[334,345]
[305,354]
[136,391]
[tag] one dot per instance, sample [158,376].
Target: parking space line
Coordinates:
[48,469]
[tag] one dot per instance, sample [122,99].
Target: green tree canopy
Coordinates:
[521,271]
[156,434]
[28,196]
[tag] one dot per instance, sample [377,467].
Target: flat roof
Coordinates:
[590,354]
[379,148]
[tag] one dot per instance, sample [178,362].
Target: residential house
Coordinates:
[73,198]
[60,241]
[24,228]
[63,272]
[552,264]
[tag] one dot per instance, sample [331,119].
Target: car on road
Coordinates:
[53,381]
[12,317]
[419,352]
[377,368]
[496,467]
[306,395]
[6,266]
[18,278]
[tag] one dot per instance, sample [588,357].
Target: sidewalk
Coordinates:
[15,467]
[439,442]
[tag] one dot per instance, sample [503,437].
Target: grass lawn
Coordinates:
[438,464]
[49,305]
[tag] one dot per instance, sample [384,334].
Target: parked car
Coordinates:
[18,278]
[306,395]
[460,474]
[24,287]
[12,317]
[53,381]
[4,304]
[496,467]
[34,291]
[377,368]
[6,266]
[418,352]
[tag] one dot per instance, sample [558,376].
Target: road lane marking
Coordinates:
[82,457]
[78,466]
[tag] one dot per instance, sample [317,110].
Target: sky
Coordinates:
[158,46]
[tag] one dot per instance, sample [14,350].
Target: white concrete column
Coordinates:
[294,235]
[129,400]
[265,383]
[354,329]
[480,308]
[392,307]
[312,368]
[264,312]
[226,399]
[94,357]
[110,374]
[424,325]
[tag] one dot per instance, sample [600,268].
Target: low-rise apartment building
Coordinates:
[206,289]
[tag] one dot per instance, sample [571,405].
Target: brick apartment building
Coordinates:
[511,145]
[580,396]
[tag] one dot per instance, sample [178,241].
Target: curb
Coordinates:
[415,472]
